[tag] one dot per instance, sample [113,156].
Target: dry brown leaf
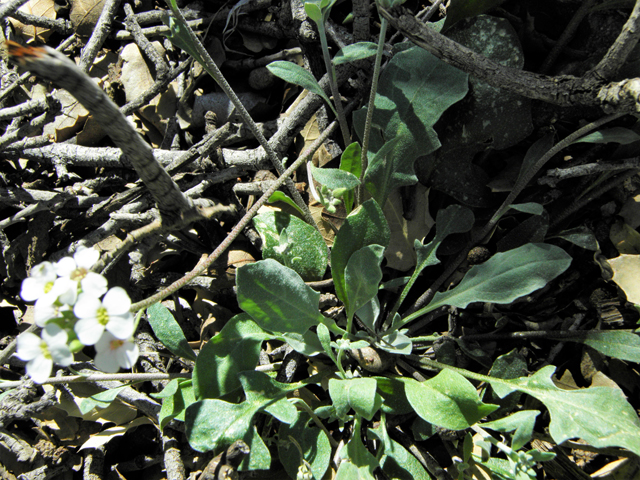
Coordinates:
[31,33]
[626,273]
[401,255]
[84,15]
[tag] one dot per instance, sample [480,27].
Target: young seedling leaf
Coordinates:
[414,91]
[447,400]
[293,243]
[365,226]
[174,405]
[279,196]
[277,298]
[362,276]
[350,161]
[334,178]
[168,331]
[355,51]
[292,73]
[358,394]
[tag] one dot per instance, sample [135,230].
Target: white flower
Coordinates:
[113,353]
[62,293]
[39,282]
[40,353]
[77,269]
[111,313]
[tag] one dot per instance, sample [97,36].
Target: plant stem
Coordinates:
[104,377]
[331,71]
[372,99]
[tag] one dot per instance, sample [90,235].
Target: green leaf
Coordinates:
[414,91]
[358,394]
[334,178]
[315,445]
[612,343]
[176,397]
[214,424]
[580,236]
[459,9]
[506,276]
[394,399]
[168,331]
[293,243]
[359,463]
[259,457]
[396,461]
[351,162]
[235,349]
[362,276]
[521,423]
[279,196]
[355,51]
[313,11]
[453,219]
[276,298]
[535,153]
[365,226]
[611,135]
[599,415]
[100,400]
[532,207]
[447,400]
[292,73]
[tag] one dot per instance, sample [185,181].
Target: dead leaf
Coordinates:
[630,212]
[625,238]
[105,436]
[626,273]
[84,15]
[309,133]
[401,255]
[31,33]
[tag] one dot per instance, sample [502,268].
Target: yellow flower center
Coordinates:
[116,344]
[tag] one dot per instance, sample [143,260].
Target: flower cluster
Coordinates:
[71,313]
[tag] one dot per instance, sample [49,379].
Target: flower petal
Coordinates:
[86,257]
[54,335]
[94,284]
[88,330]
[87,306]
[117,301]
[107,362]
[65,266]
[28,346]
[127,355]
[121,326]
[39,369]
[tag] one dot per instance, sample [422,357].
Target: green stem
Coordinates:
[331,71]
[372,99]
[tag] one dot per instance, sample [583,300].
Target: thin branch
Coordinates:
[564,90]
[62,72]
[607,68]
[100,33]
